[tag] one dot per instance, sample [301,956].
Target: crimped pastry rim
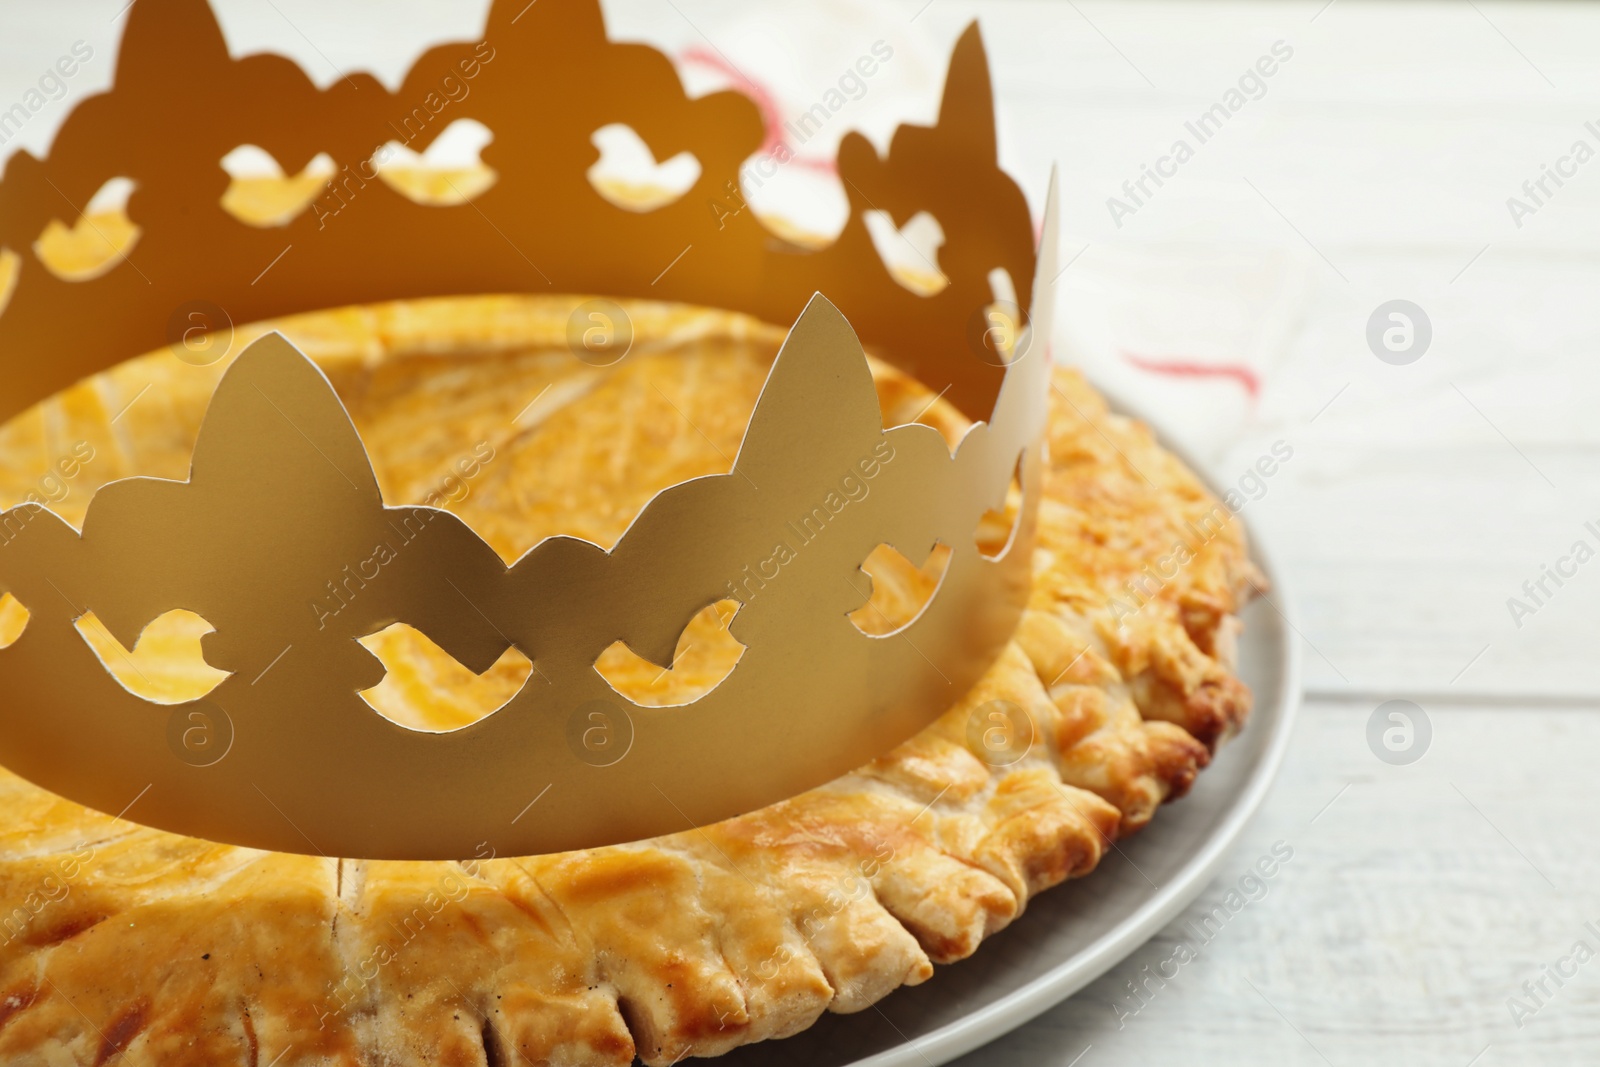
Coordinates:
[999,1017]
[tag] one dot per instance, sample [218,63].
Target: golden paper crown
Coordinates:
[282,495]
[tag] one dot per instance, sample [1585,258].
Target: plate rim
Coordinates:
[999,1017]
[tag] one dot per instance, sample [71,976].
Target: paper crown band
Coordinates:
[309,766]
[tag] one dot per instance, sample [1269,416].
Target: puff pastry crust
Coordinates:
[129,945]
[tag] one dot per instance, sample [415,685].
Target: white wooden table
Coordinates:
[1377,164]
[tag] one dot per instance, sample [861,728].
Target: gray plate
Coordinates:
[1072,934]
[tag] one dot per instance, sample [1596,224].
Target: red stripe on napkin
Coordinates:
[1185,369]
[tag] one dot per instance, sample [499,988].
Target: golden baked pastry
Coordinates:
[135,946]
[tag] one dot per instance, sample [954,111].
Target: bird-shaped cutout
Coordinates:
[628,175]
[13,620]
[447,173]
[911,251]
[997,529]
[261,194]
[427,689]
[901,590]
[97,240]
[706,655]
[165,665]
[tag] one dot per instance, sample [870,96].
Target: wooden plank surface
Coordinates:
[1417,901]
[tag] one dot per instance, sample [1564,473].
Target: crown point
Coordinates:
[819,390]
[968,105]
[273,401]
[564,19]
[167,36]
